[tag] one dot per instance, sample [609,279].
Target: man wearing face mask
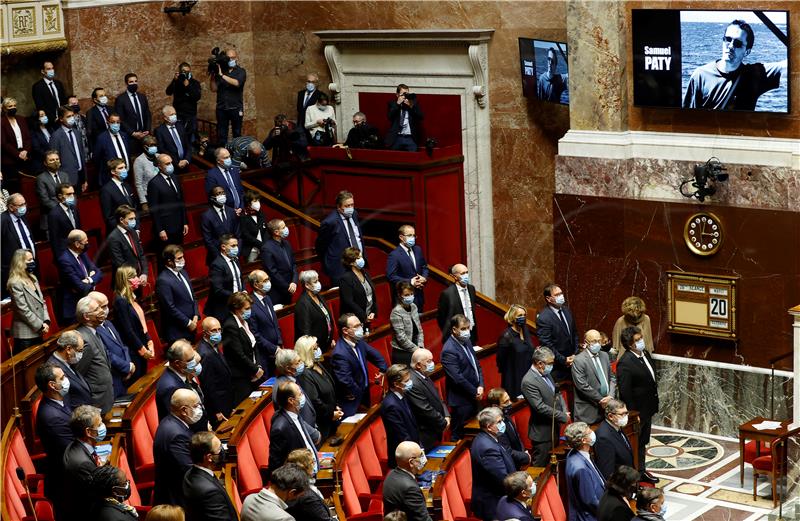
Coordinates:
[16,234]
[350,369]
[116,192]
[182,372]
[124,245]
[226,278]
[463,373]
[186,93]
[47,183]
[288,483]
[229,87]
[548,410]
[77,273]
[114,143]
[119,357]
[80,460]
[396,412]
[458,299]
[69,351]
[97,116]
[217,221]
[94,364]
[111,487]
[134,111]
[427,406]
[595,383]
[585,483]
[516,504]
[288,368]
[48,93]
[52,423]
[206,498]
[177,304]
[167,207]
[320,122]
[63,219]
[339,230]
[491,462]
[278,260]
[307,97]
[651,505]
[401,491]
[510,439]
[216,375]
[172,138]
[171,453]
[363,135]
[67,140]
[226,175]
[557,330]
[407,264]
[613,448]
[80,122]
[263,321]
[289,430]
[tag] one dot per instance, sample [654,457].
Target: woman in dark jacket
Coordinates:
[40,138]
[620,488]
[312,316]
[239,347]
[111,491]
[252,226]
[356,291]
[129,320]
[514,351]
[318,385]
[309,506]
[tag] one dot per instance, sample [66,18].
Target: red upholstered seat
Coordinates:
[286,323]
[334,305]
[196,261]
[55,327]
[91,213]
[369,461]
[48,271]
[137,487]
[550,505]
[358,497]
[194,190]
[195,233]
[752,451]
[158,346]
[521,419]
[763,463]
[15,498]
[433,338]
[383,297]
[378,434]
[457,489]
[144,425]
[252,452]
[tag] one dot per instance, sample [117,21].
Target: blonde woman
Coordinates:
[318,385]
[633,315]
[514,351]
[130,321]
[30,321]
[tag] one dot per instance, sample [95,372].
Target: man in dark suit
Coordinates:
[458,299]
[172,139]
[541,394]
[47,183]
[426,403]
[52,423]
[401,491]
[278,260]
[67,140]
[226,278]
[80,460]
[350,371]
[612,448]
[171,447]
[226,175]
[206,497]
[307,97]
[165,198]
[396,413]
[77,273]
[116,192]
[520,490]
[263,320]
[216,375]
[119,356]
[48,93]
[184,367]
[97,116]
[134,112]
[124,244]
[585,484]
[407,264]
[463,373]
[491,462]
[177,304]
[339,230]
[362,135]
[217,221]
[289,431]
[94,365]
[405,119]
[113,143]
[14,234]
[63,219]
[557,330]
[510,438]
[69,351]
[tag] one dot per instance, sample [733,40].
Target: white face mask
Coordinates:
[180,265]
[255,205]
[622,422]
[197,413]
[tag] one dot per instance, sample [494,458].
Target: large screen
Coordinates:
[544,70]
[715,60]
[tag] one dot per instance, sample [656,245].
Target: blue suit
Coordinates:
[512,509]
[352,374]
[491,463]
[585,487]
[119,357]
[72,287]
[176,304]
[52,427]
[399,423]
[277,259]
[167,384]
[216,377]
[553,333]
[166,143]
[215,177]
[399,268]
[213,228]
[172,460]
[462,382]
[79,391]
[332,240]
[104,151]
[264,326]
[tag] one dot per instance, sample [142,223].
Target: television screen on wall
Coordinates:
[714,60]
[544,70]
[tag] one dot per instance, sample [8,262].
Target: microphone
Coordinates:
[24,481]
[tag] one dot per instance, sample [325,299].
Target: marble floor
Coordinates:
[699,474]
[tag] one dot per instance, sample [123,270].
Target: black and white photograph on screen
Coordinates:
[735,60]
[552,82]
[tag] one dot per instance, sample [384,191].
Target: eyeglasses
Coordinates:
[737,44]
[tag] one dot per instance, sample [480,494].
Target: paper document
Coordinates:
[354,418]
[767,425]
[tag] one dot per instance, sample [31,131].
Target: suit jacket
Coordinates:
[394,113]
[215,378]
[71,275]
[277,259]
[614,508]
[206,498]
[59,226]
[215,177]
[352,374]
[105,151]
[167,384]
[401,492]
[221,289]
[250,229]
[10,242]
[172,460]
[611,449]
[123,255]
[353,298]
[46,191]
[510,508]
[303,104]
[585,487]
[512,442]
[263,506]
[307,412]
[320,390]
[166,205]
[284,437]
[166,143]
[112,197]
[264,326]
[493,463]
[540,398]
[127,114]
[43,97]
[309,506]
[310,320]
[332,240]
[553,333]
[399,423]
[107,511]
[637,388]
[52,427]
[30,310]
[127,322]
[96,124]
[76,482]
[119,356]
[399,268]
[213,228]
[429,410]
[71,164]
[79,391]
[450,305]
[96,370]
[239,352]
[403,322]
[462,381]
[177,305]
[587,385]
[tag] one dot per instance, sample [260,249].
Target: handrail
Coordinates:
[778,358]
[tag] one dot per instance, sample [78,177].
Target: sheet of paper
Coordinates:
[354,418]
[767,425]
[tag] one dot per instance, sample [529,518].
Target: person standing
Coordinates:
[229,87]
[463,373]
[458,299]
[186,93]
[30,320]
[134,112]
[277,258]
[407,334]
[165,197]
[595,382]
[307,97]
[548,410]
[514,350]
[356,290]
[557,330]
[16,144]
[426,403]
[634,314]
[490,462]
[48,93]
[405,119]
[407,264]
[206,498]
[339,230]
[585,483]
[396,413]
[401,492]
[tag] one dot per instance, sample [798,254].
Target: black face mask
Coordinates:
[220,459]
[12,112]
[507,410]
[75,108]
[133,87]
[122,493]
[30,267]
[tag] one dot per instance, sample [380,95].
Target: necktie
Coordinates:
[195,387]
[56,178]
[95,458]
[123,154]
[361,363]
[234,191]
[549,383]
[351,233]
[110,331]
[222,214]
[177,140]
[138,109]
[126,194]
[53,92]
[75,148]
[172,184]
[563,319]
[185,284]
[23,231]
[133,245]
[600,375]
[71,215]
[624,438]
[411,256]
[307,439]
[471,360]
[105,116]
[285,255]
[237,278]
[467,305]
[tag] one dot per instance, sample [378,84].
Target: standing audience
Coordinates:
[407,334]
[30,320]
[514,350]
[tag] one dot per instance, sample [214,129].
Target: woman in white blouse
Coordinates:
[316,116]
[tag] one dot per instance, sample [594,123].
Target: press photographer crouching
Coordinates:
[285,141]
[321,122]
[363,135]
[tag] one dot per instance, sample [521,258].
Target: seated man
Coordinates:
[491,462]
[585,484]
[510,439]
[362,135]
[171,447]
[401,491]
[520,489]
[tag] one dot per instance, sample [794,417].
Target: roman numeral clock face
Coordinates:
[703,233]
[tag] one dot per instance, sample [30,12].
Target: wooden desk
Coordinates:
[748,432]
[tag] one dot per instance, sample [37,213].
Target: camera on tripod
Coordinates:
[218,57]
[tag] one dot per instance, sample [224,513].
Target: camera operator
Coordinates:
[228,83]
[285,140]
[404,116]
[363,135]
[185,92]
[321,122]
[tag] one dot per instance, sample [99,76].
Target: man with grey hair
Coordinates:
[613,447]
[80,459]
[400,488]
[288,367]
[362,135]
[548,409]
[171,453]
[427,406]
[595,383]
[16,234]
[248,152]
[184,367]
[94,365]
[520,489]
[167,207]
[172,139]
[77,273]
[69,351]
[491,462]
[312,315]
[585,484]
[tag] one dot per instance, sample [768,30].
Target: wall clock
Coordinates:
[703,233]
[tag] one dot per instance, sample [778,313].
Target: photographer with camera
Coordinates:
[321,122]
[405,117]
[285,141]
[227,80]
[185,92]
[363,135]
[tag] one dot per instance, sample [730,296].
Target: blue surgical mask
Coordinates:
[317,287]
[64,387]
[548,369]
[101,433]
[302,400]
[123,175]
[69,200]
[348,212]
[231,63]
[151,150]
[266,287]
[464,278]
[172,119]
[430,366]
[359,333]
[21,211]
[408,300]
[233,252]
[639,345]
[360,263]
[501,427]
[560,299]
[594,348]
[227,162]
[317,354]
[310,87]
[131,223]
[408,385]
[51,73]
[246,314]
[71,121]
[198,368]
[663,511]
[191,365]
[300,368]
[169,169]
[114,128]
[463,335]
[44,120]
[411,241]
[215,338]
[592,438]
[285,233]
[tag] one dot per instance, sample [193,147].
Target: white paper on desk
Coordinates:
[354,418]
[767,425]
[255,395]
[476,348]
[277,307]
